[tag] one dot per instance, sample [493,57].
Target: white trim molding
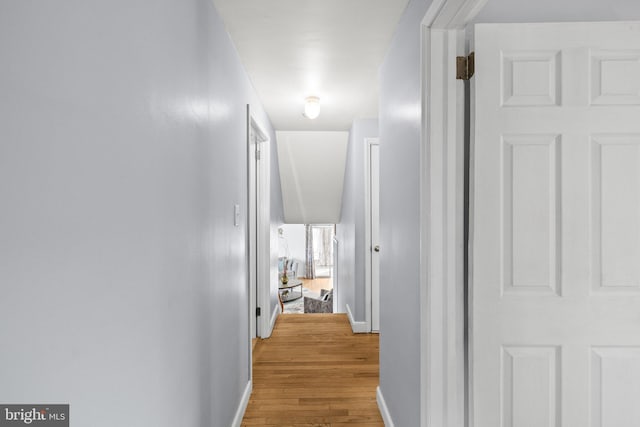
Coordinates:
[452,14]
[442,256]
[259,234]
[368,283]
[357,327]
[264,234]
[442,316]
[384,411]
[242,407]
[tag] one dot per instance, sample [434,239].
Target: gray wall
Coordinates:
[351,229]
[277,212]
[400,118]
[122,154]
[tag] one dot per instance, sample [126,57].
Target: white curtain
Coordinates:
[309,264]
[323,240]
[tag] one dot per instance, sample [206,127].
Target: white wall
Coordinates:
[400,123]
[351,229]
[122,154]
[312,166]
[295,241]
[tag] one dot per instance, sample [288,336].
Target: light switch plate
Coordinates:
[236,215]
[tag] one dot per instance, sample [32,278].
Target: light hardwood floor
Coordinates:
[317,284]
[314,371]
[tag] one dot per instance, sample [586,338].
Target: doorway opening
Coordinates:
[307,268]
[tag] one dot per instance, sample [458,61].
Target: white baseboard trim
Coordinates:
[237,420]
[384,411]
[357,327]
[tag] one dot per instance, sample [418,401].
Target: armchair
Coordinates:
[322,305]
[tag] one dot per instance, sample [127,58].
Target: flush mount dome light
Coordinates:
[311,107]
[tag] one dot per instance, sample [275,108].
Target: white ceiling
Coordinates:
[327,48]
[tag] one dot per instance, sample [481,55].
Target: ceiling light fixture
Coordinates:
[311,107]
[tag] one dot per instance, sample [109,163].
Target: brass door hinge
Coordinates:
[465,66]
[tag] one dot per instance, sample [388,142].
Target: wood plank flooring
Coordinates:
[314,371]
[317,284]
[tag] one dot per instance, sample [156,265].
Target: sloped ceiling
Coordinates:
[312,166]
[332,49]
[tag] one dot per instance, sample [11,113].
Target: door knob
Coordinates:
[376,248]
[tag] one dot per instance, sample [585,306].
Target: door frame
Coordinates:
[258,206]
[368,244]
[444,380]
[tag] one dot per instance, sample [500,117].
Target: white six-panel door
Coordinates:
[555,217]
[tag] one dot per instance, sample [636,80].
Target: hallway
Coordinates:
[314,371]
[149,149]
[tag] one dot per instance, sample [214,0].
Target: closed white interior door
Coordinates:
[555,216]
[375,235]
